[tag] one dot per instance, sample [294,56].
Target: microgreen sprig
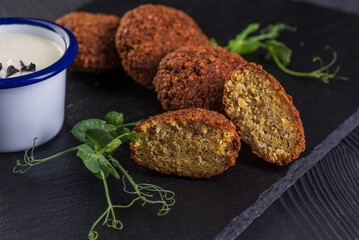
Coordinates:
[243,43]
[30,161]
[101,138]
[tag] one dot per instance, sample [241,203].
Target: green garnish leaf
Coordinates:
[248,30]
[101,139]
[245,43]
[213,41]
[240,44]
[243,47]
[107,167]
[113,145]
[79,130]
[273,30]
[90,160]
[96,162]
[98,138]
[114,118]
[282,51]
[123,131]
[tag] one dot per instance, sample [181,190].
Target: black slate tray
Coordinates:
[61,199]
[322,204]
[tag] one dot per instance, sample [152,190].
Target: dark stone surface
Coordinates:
[61,199]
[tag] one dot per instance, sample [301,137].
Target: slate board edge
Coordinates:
[297,169]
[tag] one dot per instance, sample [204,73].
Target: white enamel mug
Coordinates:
[33,105]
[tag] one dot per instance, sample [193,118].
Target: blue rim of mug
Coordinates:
[60,65]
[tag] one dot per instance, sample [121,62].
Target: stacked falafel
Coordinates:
[162,48]
[95,34]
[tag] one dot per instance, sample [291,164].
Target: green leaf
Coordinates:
[113,146]
[114,118]
[95,163]
[273,30]
[89,158]
[98,175]
[241,44]
[213,41]
[106,166]
[98,138]
[248,30]
[80,129]
[115,143]
[280,50]
[123,130]
[244,47]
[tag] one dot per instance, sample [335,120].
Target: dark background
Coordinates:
[61,199]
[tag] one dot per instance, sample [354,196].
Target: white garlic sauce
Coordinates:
[28,48]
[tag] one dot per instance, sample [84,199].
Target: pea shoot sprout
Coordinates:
[278,51]
[100,140]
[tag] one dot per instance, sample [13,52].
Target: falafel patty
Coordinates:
[191,142]
[147,33]
[95,34]
[194,77]
[264,114]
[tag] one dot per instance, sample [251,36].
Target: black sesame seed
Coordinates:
[11,70]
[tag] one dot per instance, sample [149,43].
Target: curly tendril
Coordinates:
[100,139]
[30,161]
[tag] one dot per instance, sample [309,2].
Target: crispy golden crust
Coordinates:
[287,99]
[147,33]
[95,34]
[193,115]
[194,77]
[202,116]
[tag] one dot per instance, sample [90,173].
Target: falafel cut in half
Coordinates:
[193,142]
[149,32]
[195,77]
[264,114]
[95,34]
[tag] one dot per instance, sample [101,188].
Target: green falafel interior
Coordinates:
[191,142]
[264,114]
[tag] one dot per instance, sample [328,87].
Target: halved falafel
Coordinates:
[264,114]
[194,77]
[149,32]
[191,142]
[95,34]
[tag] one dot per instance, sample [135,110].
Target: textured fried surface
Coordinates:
[194,77]
[95,34]
[147,33]
[190,142]
[264,114]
